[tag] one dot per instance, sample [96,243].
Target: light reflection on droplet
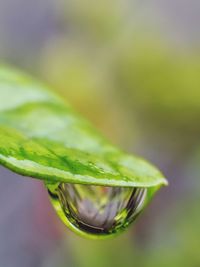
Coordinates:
[96,210]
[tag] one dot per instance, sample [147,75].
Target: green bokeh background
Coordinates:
[132,68]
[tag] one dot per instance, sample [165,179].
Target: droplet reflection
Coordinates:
[96,210]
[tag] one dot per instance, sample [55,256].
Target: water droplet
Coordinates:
[96,211]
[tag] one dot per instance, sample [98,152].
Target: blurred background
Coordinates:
[133,69]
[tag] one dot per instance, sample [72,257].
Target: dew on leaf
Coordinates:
[96,211]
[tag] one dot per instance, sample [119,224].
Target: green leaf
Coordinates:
[43,137]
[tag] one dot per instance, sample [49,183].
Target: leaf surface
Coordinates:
[43,137]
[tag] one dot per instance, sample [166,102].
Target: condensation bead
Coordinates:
[96,210]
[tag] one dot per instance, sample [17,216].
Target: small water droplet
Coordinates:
[96,211]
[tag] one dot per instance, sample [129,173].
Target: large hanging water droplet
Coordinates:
[96,211]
